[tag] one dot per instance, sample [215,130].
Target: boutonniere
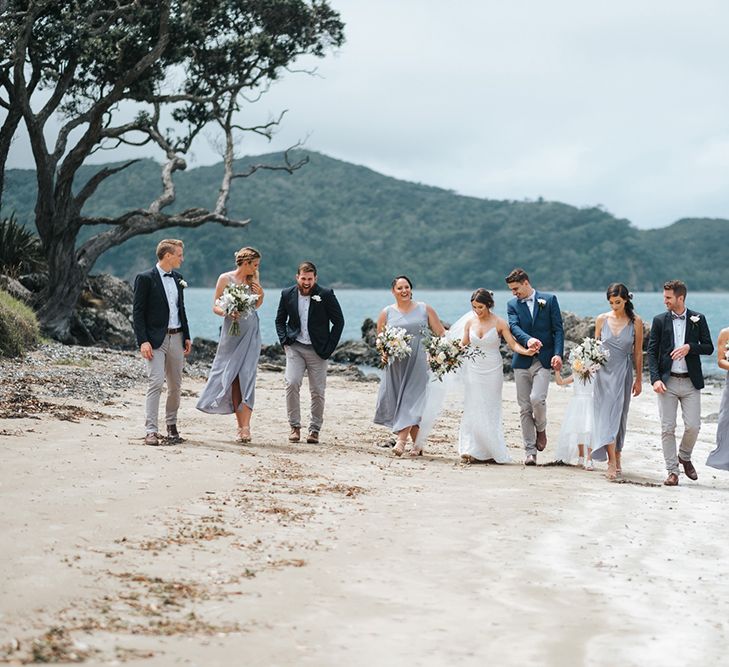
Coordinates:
[182,283]
[316,297]
[695,318]
[542,302]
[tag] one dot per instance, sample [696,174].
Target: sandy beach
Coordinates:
[211,553]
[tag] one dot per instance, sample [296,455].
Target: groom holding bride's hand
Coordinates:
[535,321]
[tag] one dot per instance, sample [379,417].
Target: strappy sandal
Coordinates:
[244,434]
[416,450]
[399,448]
[612,473]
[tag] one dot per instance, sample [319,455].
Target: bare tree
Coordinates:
[194,61]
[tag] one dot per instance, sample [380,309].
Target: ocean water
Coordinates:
[358,304]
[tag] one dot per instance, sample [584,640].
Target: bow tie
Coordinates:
[678,317]
[168,275]
[531,298]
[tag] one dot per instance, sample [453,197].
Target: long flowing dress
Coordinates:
[577,423]
[481,434]
[719,457]
[401,397]
[613,387]
[237,356]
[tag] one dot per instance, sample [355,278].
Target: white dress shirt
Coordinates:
[304,301]
[170,285]
[530,302]
[679,338]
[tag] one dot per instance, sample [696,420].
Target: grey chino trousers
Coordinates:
[532,385]
[167,363]
[301,359]
[679,391]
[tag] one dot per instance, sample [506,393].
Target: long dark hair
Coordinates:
[618,289]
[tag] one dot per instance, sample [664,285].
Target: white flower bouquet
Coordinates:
[588,357]
[237,299]
[393,343]
[446,355]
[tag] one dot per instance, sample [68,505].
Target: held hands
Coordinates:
[659,387]
[557,363]
[534,343]
[146,351]
[680,352]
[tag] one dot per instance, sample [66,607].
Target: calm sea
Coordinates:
[357,304]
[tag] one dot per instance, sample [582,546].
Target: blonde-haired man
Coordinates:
[163,335]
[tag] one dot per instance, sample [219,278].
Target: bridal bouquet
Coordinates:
[588,357]
[446,355]
[393,343]
[237,299]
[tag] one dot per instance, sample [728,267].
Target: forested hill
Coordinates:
[361,228]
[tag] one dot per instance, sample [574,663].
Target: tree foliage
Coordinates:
[195,62]
[362,228]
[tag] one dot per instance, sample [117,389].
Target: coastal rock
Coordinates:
[203,351]
[105,310]
[35,282]
[577,328]
[356,352]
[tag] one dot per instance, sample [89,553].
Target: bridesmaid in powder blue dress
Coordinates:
[621,332]
[401,397]
[231,385]
[719,458]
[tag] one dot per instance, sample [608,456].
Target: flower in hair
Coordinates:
[630,296]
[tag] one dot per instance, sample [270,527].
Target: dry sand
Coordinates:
[211,553]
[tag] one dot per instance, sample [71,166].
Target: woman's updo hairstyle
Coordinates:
[246,255]
[484,296]
[396,278]
[618,289]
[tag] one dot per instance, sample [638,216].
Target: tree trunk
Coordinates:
[57,315]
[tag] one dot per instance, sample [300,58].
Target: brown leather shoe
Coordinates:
[295,434]
[313,438]
[541,440]
[151,439]
[689,469]
[671,480]
[531,460]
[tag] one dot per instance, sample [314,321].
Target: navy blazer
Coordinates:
[151,312]
[322,312]
[661,344]
[546,326]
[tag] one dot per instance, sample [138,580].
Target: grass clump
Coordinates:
[19,329]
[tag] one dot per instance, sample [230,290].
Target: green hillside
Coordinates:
[361,228]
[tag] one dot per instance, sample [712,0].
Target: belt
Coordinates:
[174,331]
[679,375]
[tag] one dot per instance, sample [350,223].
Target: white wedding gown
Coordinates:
[481,434]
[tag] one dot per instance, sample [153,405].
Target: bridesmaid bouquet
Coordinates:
[446,355]
[588,357]
[393,343]
[237,299]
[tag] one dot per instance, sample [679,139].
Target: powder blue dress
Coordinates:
[401,398]
[719,457]
[237,356]
[612,392]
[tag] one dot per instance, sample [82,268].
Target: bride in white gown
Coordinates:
[481,436]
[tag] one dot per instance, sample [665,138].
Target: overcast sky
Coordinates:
[623,104]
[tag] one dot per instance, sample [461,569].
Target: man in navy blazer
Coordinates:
[678,338]
[163,335]
[309,322]
[535,321]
